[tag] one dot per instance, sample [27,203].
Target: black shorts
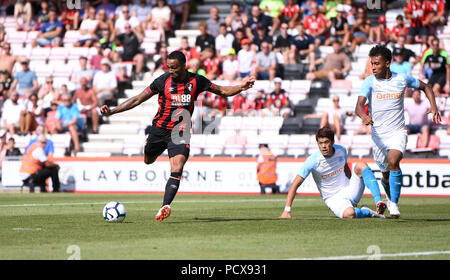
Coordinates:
[160,139]
[437,78]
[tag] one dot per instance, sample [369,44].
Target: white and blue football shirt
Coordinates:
[386,101]
[328,172]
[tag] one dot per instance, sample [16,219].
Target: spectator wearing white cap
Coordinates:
[104,83]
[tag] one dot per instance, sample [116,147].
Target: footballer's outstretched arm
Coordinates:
[436,117]
[128,104]
[227,91]
[298,180]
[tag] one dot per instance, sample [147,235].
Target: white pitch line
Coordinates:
[148,202]
[377,256]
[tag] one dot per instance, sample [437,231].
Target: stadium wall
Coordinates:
[421,177]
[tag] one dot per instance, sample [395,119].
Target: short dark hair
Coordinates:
[325,132]
[382,51]
[262,145]
[178,56]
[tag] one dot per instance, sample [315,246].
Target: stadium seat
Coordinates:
[251,123]
[16,37]
[361,145]
[70,37]
[31,35]
[59,53]
[297,144]
[75,53]
[152,36]
[40,53]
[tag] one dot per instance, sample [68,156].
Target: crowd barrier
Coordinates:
[421,177]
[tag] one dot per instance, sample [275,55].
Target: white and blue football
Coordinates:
[114,212]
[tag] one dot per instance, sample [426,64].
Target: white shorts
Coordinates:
[347,197]
[396,140]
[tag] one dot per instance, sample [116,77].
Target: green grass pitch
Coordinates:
[221,227]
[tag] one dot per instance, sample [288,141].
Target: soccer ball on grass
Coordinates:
[114,212]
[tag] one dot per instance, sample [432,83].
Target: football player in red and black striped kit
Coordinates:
[177,92]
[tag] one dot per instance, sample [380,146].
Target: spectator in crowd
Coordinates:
[418,117]
[380,33]
[224,42]
[188,51]
[235,20]
[124,3]
[259,103]
[399,65]
[25,82]
[70,18]
[302,47]
[82,72]
[161,15]
[42,15]
[87,103]
[12,112]
[272,8]
[23,12]
[256,18]
[46,169]
[161,62]
[141,10]
[104,83]
[407,53]
[125,20]
[333,118]
[68,119]
[283,42]
[120,69]
[7,59]
[195,66]
[131,40]
[398,30]
[87,30]
[279,99]
[260,36]
[359,33]
[51,32]
[95,61]
[267,170]
[266,63]
[11,150]
[290,14]
[305,8]
[103,24]
[49,148]
[246,58]
[50,119]
[32,116]
[417,12]
[5,85]
[437,8]
[180,8]
[335,65]
[316,25]
[110,8]
[238,105]
[437,61]
[238,36]
[214,21]
[230,66]
[205,39]
[48,93]
[338,26]
[3,133]
[210,63]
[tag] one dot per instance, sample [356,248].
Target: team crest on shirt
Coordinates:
[189,86]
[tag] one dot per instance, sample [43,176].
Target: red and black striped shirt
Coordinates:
[175,98]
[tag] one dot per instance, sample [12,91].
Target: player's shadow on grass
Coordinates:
[221,219]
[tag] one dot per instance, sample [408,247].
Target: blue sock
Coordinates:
[387,190]
[362,213]
[395,183]
[371,183]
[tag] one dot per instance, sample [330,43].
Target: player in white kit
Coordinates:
[385,91]
[340,187]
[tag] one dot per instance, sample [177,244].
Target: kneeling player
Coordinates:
[339,187]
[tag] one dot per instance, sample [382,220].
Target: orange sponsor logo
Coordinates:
[335,172]
[387,96]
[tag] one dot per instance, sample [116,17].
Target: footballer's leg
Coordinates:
[363,171]
[395,180]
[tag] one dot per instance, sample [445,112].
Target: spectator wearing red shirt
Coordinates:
[188,51]
[417,12]
[290,14]
[260,102]
[316,25]
[437,8]
[278,99]
[380,33]
[398,30]
[210,63]
[238,104]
